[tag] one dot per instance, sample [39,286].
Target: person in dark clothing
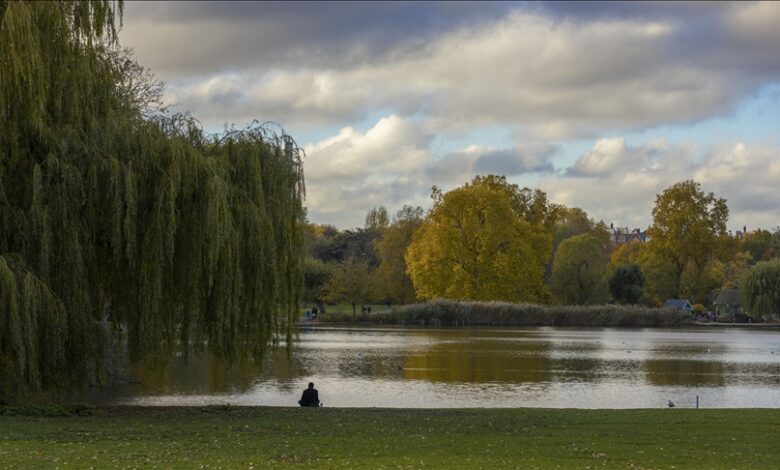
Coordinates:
[310,396]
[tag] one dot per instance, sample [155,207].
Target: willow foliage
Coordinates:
[111,219]
[760,290]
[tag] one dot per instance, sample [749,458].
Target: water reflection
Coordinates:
[693,373]
[545,367]
[481,362]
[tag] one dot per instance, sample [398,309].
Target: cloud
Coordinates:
[747,175]
[756,22]
[545,73]
[393,164]
[618,183]
[392,146]
[461,166]
[197,38]
[351,172]
[554,74]
[611,154]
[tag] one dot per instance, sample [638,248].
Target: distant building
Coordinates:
[679,304]
[624,235]
[728,306]
[740,235]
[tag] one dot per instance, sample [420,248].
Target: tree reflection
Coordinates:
[682,364]
[684,372]
[481,360]
[199,373]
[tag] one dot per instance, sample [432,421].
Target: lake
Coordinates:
[507,367]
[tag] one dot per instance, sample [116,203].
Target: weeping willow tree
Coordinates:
[112,219]
[760,290]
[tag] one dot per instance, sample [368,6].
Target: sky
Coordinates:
[601,105]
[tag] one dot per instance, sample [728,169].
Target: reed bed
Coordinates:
[453,313]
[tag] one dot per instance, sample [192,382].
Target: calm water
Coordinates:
[531,367]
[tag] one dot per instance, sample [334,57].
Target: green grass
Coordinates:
[225,437]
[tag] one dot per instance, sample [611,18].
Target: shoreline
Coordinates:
[313,324]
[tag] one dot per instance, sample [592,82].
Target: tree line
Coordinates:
[490,240]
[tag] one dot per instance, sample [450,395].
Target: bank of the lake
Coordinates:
[457,313]
[247,437]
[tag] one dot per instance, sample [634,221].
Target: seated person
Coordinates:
[310,396]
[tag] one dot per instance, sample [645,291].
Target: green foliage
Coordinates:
[627,284]
[575,221]
[760,290]
[113,220]
[761,244]
[392,277]
[350,281]
[487,240]
[662,278]
[331,245]
[698,283]
[578,270]
[315,277]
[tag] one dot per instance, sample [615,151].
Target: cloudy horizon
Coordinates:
[601,105]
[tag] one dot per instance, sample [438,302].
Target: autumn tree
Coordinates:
[627,283]
[733,270]
[689,224]
[487,240]
[624,253]
[573,221]
[350,282]
[761,245]
[392,278]
[578,270]
[701,284]
[688,231]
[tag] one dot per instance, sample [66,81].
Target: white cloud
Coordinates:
[611,154]
[392,164]
[544,74]
[353,171]
[746,174]
[393,145]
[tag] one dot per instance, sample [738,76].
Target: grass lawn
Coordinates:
[224,437]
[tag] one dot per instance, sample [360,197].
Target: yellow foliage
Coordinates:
[475,245]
